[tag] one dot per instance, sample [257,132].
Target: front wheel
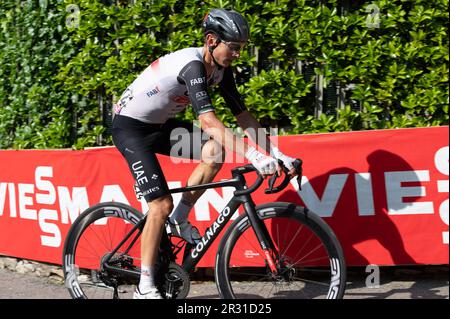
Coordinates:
[309,259]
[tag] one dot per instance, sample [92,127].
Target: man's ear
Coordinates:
[208,39]
[212,40]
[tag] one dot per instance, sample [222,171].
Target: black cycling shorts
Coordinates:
[139,143]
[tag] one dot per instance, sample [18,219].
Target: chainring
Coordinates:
[177,282]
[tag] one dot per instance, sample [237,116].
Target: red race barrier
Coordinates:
[384,193]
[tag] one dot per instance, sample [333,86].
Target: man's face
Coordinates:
[226,52]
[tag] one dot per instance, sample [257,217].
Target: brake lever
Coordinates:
[297,164]
[272,180]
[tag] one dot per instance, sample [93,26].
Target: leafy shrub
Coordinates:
[61,69]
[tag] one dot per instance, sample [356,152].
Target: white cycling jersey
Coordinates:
[172,82]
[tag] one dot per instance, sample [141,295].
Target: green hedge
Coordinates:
[61,68]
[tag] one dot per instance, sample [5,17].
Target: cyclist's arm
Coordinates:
[248,123]
[215,128]
[193,75]
[222,134]
[245,119]
[230,93]
[254,130]
[257,134]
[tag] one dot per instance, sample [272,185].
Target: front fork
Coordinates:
[263,236]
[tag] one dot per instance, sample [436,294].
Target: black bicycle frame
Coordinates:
[241,197]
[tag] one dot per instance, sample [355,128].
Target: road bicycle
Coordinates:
[273,250]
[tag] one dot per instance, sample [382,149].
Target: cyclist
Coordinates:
[144,119]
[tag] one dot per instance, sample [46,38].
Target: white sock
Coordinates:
[147,281]
[181,212]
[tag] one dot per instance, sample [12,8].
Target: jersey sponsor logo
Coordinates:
[205,108]
[139,173]
[198,81]
[181,99]
[153,92]
[200,96]
[150,190]
[126,97]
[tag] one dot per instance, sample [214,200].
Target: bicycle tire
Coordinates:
[73,248]
[246,275]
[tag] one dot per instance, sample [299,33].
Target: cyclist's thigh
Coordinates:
[137,148]
[182,139]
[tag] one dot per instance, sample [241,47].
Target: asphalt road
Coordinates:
[394,283]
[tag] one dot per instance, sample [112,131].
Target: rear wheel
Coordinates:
[309,259]
[91,239]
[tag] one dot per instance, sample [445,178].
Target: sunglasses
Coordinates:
[234,46]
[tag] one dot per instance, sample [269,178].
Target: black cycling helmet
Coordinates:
[228,25]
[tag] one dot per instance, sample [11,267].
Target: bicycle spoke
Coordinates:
[292,240]
[92,240]
[308,261]
[317,247]
[303,263]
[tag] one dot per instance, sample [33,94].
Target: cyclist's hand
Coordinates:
[266,165]
[287,161]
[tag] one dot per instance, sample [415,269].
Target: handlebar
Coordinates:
[271,189]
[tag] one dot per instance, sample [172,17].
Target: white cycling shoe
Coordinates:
[185,230]
[152,294]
